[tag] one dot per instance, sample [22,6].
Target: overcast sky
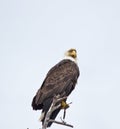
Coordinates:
[34,36]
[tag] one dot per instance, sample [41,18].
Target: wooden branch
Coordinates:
[52,108]
[61,123]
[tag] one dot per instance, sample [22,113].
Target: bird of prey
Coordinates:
[60,80]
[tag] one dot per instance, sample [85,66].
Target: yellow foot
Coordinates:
[64,105]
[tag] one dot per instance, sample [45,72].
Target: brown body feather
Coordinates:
[61,79]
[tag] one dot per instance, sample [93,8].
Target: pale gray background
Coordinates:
[34,36]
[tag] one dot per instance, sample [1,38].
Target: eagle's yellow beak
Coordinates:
[73,54]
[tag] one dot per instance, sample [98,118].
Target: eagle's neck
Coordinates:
[71,58]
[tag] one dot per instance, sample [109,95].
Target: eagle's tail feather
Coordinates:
[53,116]
[46,106]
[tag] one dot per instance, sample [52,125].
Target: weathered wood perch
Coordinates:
[56,99]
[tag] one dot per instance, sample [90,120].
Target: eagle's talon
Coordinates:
[64,105]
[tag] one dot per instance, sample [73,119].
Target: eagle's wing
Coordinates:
[61,78]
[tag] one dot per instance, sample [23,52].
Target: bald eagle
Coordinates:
[60,80]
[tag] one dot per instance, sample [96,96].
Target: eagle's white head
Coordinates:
[71,54]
